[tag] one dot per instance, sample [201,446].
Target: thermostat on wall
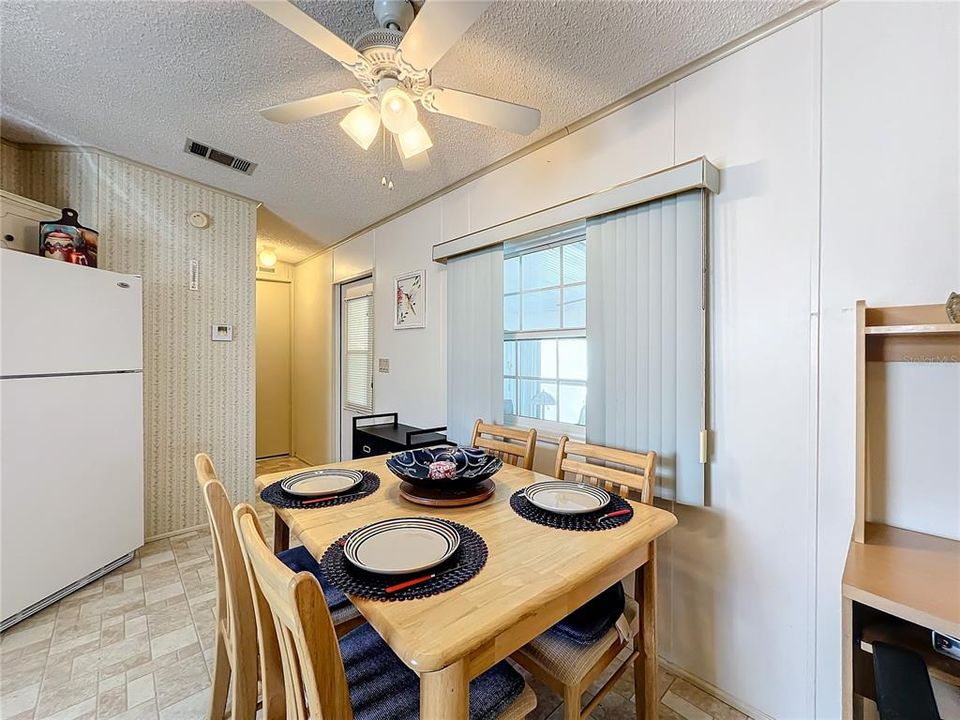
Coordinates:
[221,333]
[198,219]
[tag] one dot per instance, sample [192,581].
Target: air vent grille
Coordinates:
[219,156]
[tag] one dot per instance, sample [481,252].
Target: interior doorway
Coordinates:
[355,358]
[274,305]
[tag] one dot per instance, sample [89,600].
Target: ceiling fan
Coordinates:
[392,64]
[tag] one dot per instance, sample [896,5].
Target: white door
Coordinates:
[273,368]
[71,480]
[62,318]
[356,358]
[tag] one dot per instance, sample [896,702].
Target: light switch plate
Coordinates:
[384,365]
[221,333]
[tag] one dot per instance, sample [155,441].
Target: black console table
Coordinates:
[378,438]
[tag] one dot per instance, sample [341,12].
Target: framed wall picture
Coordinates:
[410,300]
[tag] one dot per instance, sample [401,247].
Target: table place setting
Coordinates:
[324,487]
[571,506]
[404,558]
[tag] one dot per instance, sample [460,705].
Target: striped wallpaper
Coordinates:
[198,394]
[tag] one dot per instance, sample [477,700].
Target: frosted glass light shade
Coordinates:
[267,258]
[414,141]
[397,110]
[362,125]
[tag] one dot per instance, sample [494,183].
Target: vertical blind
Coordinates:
[646,337]
[474,341]
[358,353]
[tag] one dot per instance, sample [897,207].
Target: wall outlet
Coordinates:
[384,365]
[221,333]
[194,274]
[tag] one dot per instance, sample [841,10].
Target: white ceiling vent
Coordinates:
[219,156]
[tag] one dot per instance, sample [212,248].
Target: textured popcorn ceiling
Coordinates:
[137,77]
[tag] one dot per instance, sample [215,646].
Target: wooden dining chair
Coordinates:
[570,667]
[237,643]
[357,677]
[512,445]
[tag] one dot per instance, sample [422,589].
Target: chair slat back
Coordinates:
[640,477]
[309,652]
[512,445]
[234,602]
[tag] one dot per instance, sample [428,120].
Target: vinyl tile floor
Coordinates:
[138,645]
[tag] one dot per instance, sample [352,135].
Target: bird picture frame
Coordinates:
[410,300]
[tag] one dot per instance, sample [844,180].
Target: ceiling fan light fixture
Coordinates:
[362,125]
[397,110]
[414,141]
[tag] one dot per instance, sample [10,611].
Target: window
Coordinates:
[544,321]
[358,353]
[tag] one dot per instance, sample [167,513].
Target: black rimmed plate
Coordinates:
[314,483]
[566,498]
[401,545]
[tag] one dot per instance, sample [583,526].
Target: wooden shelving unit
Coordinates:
[897,584]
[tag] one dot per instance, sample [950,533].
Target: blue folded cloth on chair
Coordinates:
[591,621]
[383,688]
[299,559]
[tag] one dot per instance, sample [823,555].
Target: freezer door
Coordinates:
[71,480]
[62,318]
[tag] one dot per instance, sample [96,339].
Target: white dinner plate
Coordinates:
[566,498]
[314,483]
[401,545]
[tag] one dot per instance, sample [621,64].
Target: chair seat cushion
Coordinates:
[383,688]
[591,621]
[299,559]
[570,662]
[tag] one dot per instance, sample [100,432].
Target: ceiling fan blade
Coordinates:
[313,106]
[438,25]
[420,161]
[297,21]
[483,110]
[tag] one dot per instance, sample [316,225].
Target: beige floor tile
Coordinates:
[27,633]
[57,695]
[83,710]
[20,700]
[714,707]
[684,708]
[189,708]
[180,681]
[173,641]
[140,690]
[112,702]
[144,711]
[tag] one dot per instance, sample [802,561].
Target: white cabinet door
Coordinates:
[20,219]
[71,480]
[62,318]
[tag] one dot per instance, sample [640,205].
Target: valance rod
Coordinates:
[692,175]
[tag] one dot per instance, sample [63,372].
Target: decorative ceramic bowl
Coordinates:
[472,466]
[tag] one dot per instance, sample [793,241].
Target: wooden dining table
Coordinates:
[534,576]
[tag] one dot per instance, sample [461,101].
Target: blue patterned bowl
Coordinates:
[473,466]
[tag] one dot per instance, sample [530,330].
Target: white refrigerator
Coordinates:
[71,428]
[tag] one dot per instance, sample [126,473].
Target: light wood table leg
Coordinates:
[444,694]
[281,534]
[645,666]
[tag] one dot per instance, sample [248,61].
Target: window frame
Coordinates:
[548,429]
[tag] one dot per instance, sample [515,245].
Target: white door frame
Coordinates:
[338,296]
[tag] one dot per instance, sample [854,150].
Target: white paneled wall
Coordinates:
[749,594]
[890,235]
